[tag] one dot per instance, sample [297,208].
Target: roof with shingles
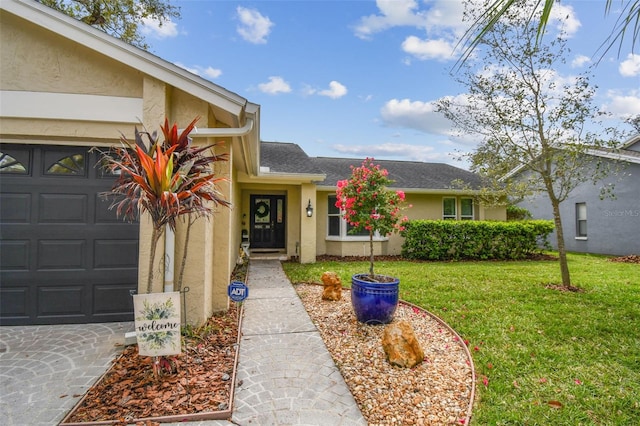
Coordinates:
[290,158]
[282,157]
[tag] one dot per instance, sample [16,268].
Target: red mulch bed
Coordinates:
[201,382]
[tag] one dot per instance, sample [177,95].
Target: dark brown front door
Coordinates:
[267,221]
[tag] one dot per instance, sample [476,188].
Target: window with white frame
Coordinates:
[466,209]
[449,210]
[581,220]
[336,225]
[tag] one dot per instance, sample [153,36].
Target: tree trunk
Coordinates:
[562,251]
[371,254]
[184,254]
[155,237]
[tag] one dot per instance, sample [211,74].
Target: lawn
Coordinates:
[542,356]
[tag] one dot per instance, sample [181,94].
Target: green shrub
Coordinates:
[474,240]
[517,213]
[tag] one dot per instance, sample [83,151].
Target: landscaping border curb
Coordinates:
[211,415]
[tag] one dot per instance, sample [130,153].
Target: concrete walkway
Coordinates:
[285,373]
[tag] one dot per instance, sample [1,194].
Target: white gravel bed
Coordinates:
[439,391]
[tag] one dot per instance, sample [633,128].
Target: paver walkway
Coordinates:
[45,370]
[285,373]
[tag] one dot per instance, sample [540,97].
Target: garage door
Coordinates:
[64,256]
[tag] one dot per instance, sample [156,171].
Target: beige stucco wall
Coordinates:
[423,206]
[35,60]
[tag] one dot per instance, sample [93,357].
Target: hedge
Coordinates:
[474,240]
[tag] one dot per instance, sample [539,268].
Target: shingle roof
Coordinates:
[290,158]
[281,157]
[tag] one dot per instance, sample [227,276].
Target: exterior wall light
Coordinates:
[309,209]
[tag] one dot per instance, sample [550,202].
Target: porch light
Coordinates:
[309,209]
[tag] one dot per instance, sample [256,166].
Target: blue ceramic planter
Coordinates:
[374,303]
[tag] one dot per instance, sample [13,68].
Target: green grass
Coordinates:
[549,357]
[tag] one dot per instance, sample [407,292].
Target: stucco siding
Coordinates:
[613,225]
[35,59]
[423,206]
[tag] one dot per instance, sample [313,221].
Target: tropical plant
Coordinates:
[368,205]
[167,180]
[627,24]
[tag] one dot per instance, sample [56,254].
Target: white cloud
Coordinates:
[212,72]
[398,150]
[631,66]
[623,105]
[428,49]
[439,21]
[565,19]
[580,61]
[393,13]
[253,27]
[336,90]
[208,72]
[416,115]
[192,70]
[153,28]
[274,86]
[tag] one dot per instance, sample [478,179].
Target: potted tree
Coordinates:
[368,205]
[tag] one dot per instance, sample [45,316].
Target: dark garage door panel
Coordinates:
[64,256]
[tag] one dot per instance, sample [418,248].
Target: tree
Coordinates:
[628,21]
[528,117]
[119,18]
[368,205]
[167,179]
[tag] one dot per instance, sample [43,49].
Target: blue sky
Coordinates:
[359,78]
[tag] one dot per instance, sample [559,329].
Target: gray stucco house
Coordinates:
[595,225]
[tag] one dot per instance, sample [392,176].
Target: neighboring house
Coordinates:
[595,225]
[66,87]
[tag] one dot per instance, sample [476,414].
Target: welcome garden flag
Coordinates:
[157,323]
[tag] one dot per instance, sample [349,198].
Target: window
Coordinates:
[466,209]
[581,220]
[9,164]
[71,165]
[334,217]
[449,208]
[337,226]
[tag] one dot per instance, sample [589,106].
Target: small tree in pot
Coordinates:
[368,205]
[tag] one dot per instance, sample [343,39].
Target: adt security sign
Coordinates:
[237,291]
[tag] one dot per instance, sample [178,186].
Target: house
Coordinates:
[65,88]
[595,225]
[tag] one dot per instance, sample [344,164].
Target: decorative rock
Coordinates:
[332,286]
[401,346]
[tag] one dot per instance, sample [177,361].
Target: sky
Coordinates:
[359,78]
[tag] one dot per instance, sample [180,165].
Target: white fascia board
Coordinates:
[632,140]
[68,106]
[425,191]
[125,53]
[616,155]
[282,178]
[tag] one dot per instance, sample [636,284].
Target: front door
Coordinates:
[267,221]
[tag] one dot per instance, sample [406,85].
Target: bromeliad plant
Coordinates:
[167,180]
[368,205]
